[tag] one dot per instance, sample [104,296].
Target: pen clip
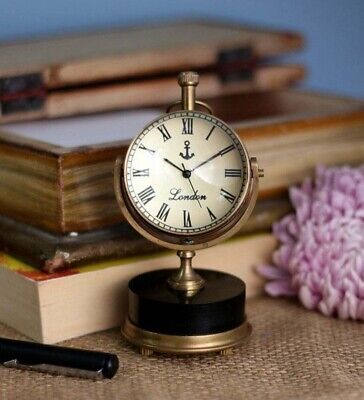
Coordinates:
[55,370]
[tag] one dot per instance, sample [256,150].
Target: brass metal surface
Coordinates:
[152,341]
[188,81]
[185,241]
[197,103]
[186,279]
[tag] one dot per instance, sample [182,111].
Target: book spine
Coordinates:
[52,253]
[21,93]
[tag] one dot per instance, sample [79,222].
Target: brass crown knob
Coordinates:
[188,78]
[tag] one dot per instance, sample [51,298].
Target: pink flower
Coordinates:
[321,253]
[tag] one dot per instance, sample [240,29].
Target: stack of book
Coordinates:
[67,251]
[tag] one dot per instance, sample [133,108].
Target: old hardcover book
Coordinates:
[93,298]
[54,252]
[58,175]
[123,68]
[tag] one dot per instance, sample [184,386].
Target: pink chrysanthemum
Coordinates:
[321,253]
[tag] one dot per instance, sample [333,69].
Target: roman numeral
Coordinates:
[141,146]
[163,212]
[232,173]
[211,214]
[228,196]
[208,136]
[187,126]
[141,172]
[227,149]
[146,195]
[186,219]
[165,134]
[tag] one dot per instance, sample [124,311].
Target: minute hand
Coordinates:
[220,153]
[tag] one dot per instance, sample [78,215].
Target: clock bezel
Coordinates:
[187,240]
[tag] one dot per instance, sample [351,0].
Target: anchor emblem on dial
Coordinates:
[187,154]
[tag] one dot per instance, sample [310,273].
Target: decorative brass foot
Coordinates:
[144,351]
[226,352]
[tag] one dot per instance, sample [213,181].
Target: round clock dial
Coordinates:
[186,173]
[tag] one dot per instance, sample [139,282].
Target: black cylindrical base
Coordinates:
[155,307]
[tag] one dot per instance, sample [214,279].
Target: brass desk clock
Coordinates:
[186,183]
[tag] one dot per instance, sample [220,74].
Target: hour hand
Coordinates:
[173,165]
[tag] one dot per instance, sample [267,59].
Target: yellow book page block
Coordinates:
[16,265]
[12,263]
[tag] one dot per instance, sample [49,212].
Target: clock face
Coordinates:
[186,173]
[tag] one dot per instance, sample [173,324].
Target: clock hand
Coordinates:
[189,180]
[208,160]
[173,165]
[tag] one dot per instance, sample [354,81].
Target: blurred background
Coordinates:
[333,29]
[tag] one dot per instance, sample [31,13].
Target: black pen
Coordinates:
[57,360]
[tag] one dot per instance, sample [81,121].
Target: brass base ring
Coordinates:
[175,344]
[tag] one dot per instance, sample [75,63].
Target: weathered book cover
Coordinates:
[123,68]
[51,252]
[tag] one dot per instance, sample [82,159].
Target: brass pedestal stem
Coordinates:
[186,280]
